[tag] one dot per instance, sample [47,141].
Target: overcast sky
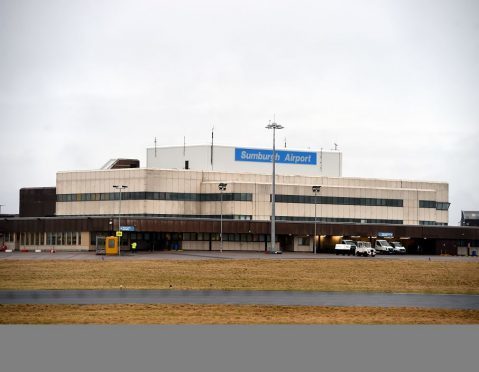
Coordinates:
[394,83]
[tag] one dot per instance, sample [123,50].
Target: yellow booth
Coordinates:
[111,245]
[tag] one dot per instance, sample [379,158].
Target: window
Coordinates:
[442,206]
[304,240]
[428,223]
[427,204]
[203,236]
[51,238]
[190,236]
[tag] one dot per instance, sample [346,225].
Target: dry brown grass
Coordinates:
[310,275]
[228,314]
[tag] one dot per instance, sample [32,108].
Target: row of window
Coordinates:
[338,200]
[432,223]
[175,237]
[338,219]
[440,206]
[50,238]
[212,216]
[144,195]
[226,237]
[8,237]
[280,198]
[290,218]
[188,216]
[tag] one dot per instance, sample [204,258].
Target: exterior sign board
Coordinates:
[119,233]
[385,235]
[127,228]
[282,156]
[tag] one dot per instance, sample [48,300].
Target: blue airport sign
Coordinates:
[282,156]
[127,228]
[385,235]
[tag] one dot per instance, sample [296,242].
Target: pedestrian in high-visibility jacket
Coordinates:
[133,247]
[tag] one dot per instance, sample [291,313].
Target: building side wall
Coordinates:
[329,163]
[258,189]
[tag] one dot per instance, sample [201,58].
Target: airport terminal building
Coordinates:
[175,202]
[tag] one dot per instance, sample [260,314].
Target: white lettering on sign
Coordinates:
[290,157]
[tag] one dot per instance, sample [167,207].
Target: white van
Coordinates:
[382,246]
[398,248]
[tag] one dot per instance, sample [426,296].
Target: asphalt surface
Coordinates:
[215,255]
[446,301]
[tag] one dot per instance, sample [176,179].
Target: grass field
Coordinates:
[228,314]
[309,275]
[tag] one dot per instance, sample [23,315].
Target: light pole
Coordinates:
[119,187]
[316,189]
[221,187]
[273,126]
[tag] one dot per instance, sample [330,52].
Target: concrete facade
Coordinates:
[175,193]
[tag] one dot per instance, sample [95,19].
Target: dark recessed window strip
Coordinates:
[141,195]
[338,200]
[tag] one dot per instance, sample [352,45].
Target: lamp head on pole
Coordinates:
[222,186]
[316,189]
[274,126]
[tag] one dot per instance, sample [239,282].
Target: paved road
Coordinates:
[213,255]
[448,301]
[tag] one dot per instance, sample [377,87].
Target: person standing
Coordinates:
[133,247]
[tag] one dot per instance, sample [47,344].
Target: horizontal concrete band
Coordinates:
[447,301]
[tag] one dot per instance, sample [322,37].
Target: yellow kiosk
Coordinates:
[111,245]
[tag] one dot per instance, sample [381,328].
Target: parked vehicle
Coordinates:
[352,245]
[365,249]
[383,246]
[398,248]
[343,249]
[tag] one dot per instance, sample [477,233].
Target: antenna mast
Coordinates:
[212,136]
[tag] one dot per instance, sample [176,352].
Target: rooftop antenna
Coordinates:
[155,147]
[335,147]
[212,143]
[321,160]
[284,142]
[184,145]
